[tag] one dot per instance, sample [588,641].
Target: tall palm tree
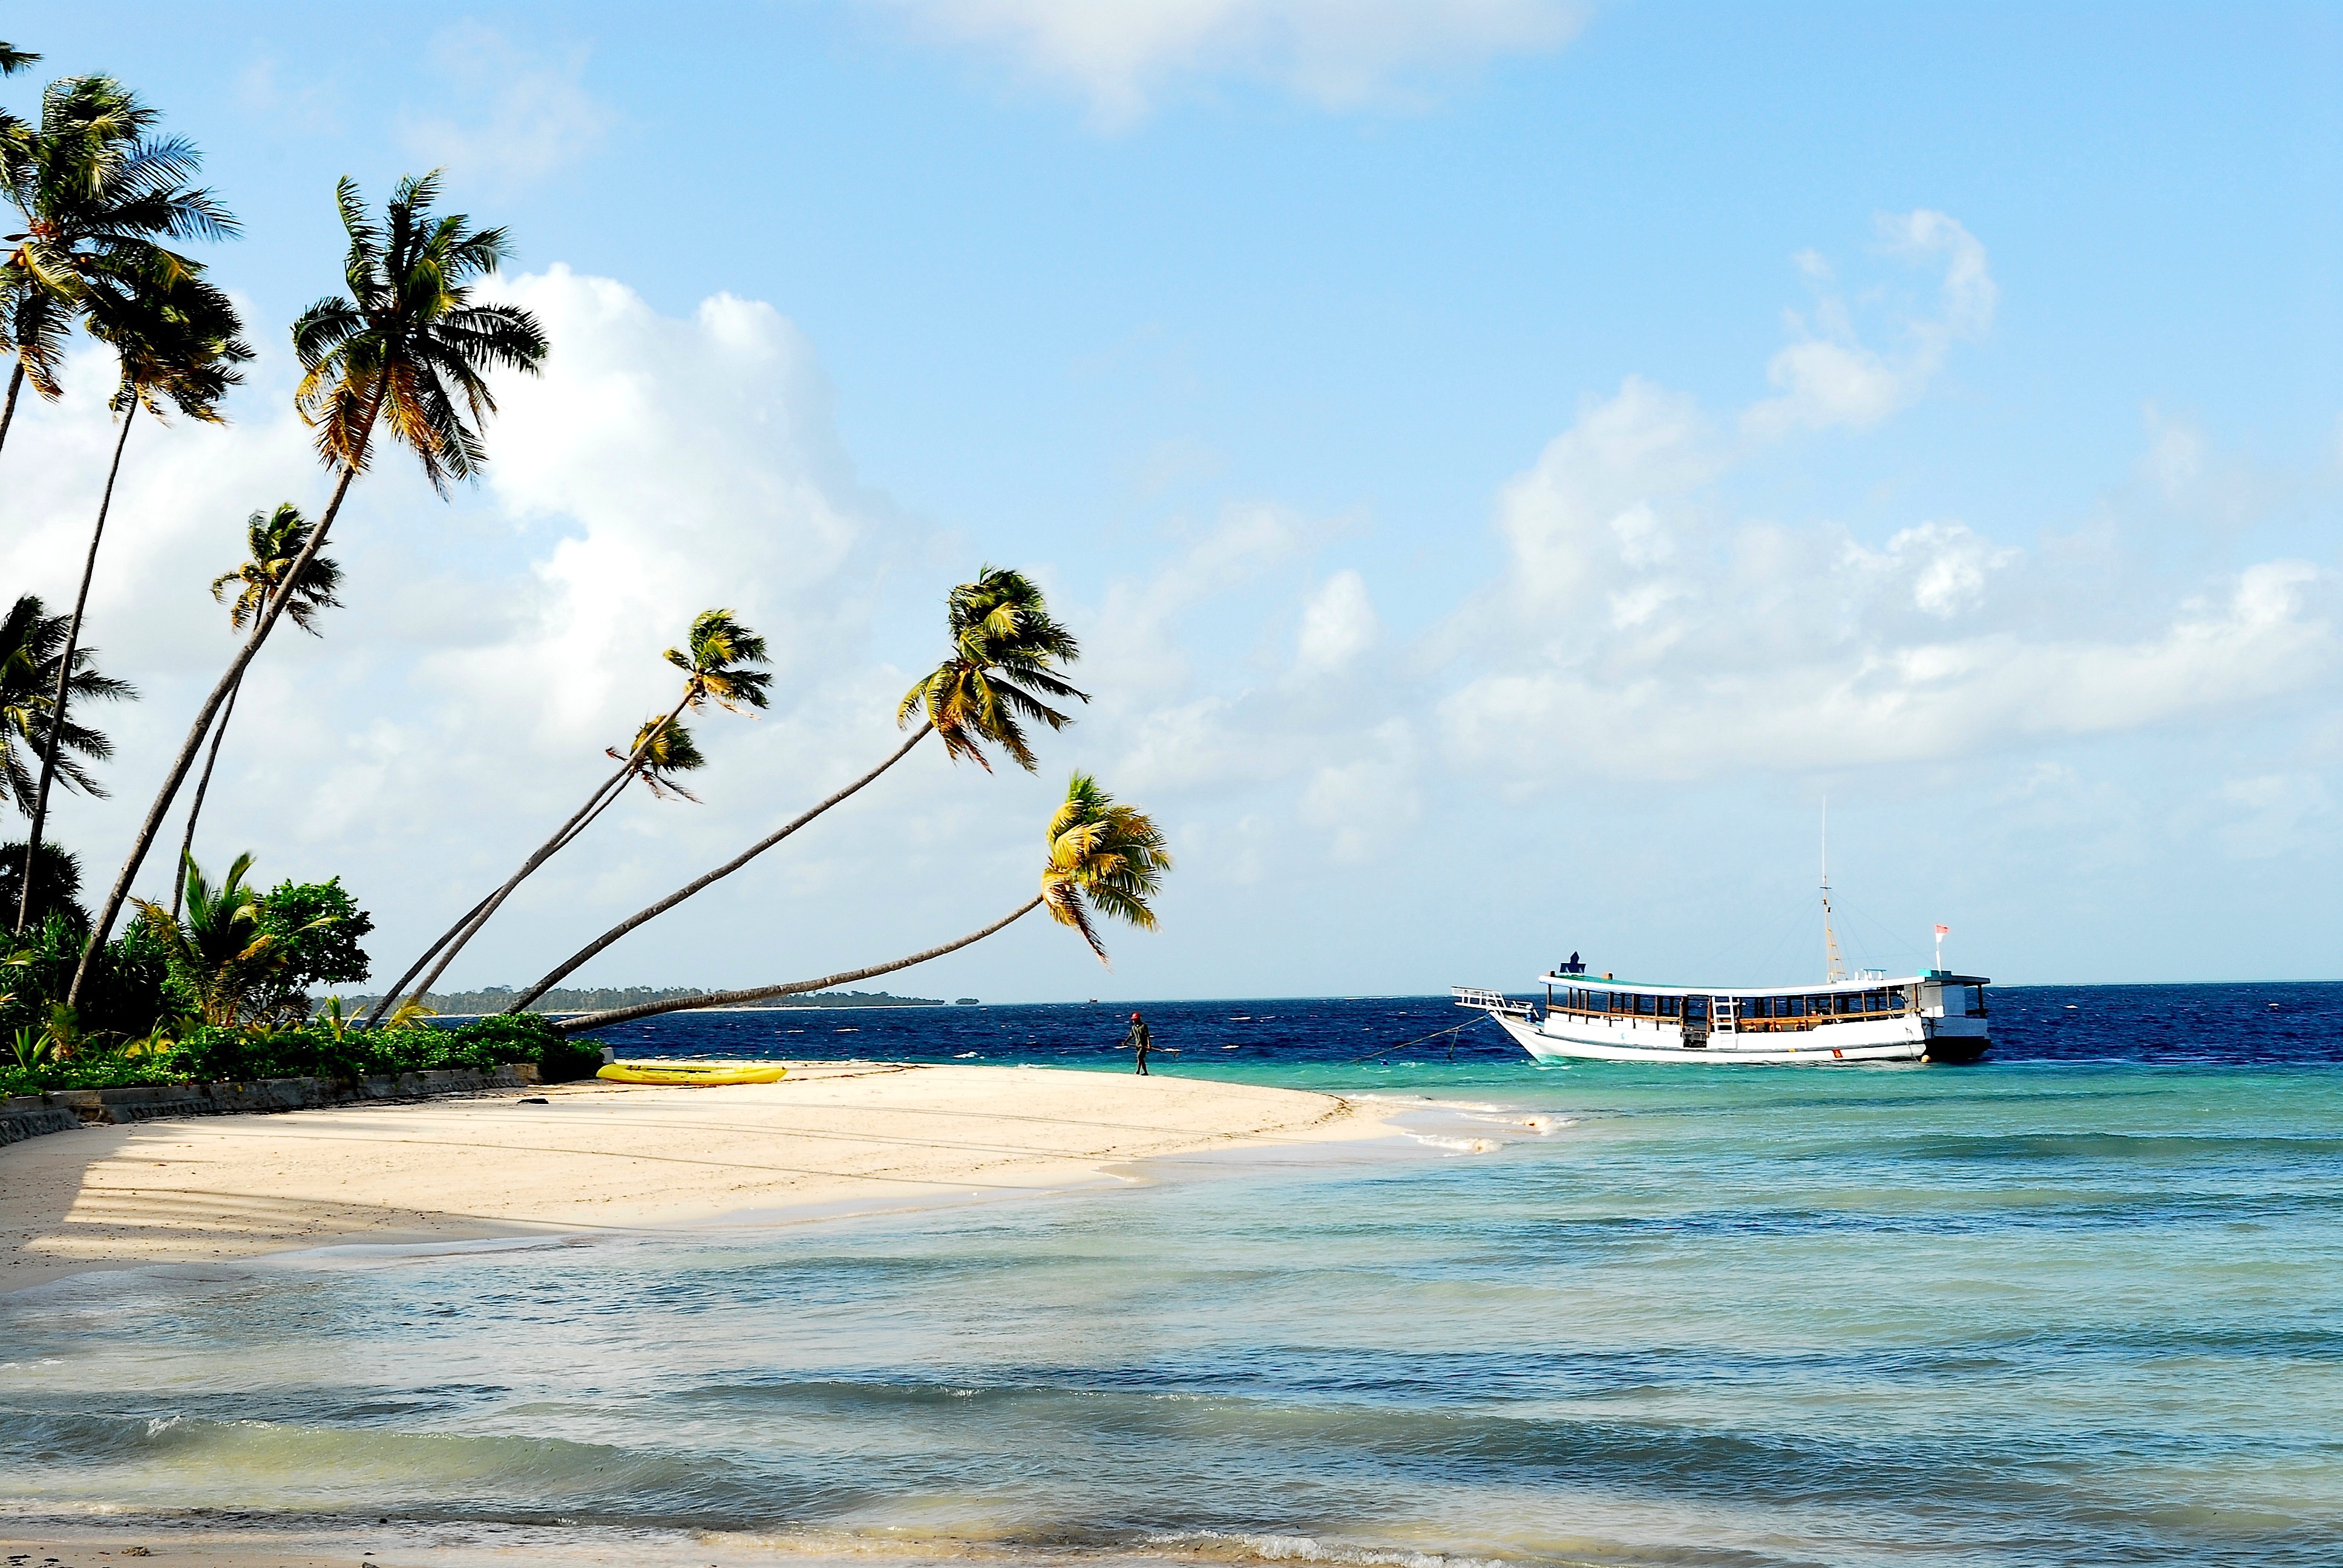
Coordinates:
[96,195]
[1005,649]
[409,348]
[273,540]
[175,335]
[1104,859]
[716,660]
[31,658]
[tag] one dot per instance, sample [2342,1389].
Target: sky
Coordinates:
[1507,463]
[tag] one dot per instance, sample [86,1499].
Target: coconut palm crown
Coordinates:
[274,540]
[407,346]
[175,337]
[715,657]
[662,749]
[1104,859]
[1005,648]
[96,197]
[32,644]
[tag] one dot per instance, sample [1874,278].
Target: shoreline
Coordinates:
[831,1140]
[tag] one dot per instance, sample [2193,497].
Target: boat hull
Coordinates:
[1561,1038]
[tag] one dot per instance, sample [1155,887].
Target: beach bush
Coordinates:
[212,1053]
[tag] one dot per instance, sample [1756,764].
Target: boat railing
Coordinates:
[1739,1023]
[1490,1002]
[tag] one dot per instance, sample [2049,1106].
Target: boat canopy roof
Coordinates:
[1802,988]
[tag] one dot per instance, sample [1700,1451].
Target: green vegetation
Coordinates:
[323,1047]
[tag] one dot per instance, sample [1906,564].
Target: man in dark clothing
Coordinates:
[1137,1040]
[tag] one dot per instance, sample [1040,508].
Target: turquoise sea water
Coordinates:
[2077,1305]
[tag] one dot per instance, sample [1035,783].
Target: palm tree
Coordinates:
[31,658]
[1005,648]
[175,337]
[12,59]
[96,194]
[716,660]
[221,950]
[274,539]
[407,347]
[1104,859]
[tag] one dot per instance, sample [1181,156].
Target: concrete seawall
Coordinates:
[24,1116]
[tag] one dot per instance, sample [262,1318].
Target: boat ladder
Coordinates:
[1490,1002]
[1722,1015]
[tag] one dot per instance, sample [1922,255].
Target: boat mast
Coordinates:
[1832,969]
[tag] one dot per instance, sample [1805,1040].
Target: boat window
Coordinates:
[1696,1006]
[1670,1006]
[1646,1005]
[1790,1006]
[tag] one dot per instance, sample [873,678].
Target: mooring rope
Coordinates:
[1435,1035]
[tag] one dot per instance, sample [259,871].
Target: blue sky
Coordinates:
[1507,460]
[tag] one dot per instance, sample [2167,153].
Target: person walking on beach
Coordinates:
[1137,1039]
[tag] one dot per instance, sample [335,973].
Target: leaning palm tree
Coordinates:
[1005,656]
[1104,859]
[96,195]
[31,659]
[274,541]
[716,660]
[176,339]
[407,348]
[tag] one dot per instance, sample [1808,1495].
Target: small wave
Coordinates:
[1461,1145]
[1235,1545]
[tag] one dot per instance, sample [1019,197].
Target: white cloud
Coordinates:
[1123,55]
[1641,631]
[1365,803]
[1829,377]
[510,116]
[1338,624]
[2286,813]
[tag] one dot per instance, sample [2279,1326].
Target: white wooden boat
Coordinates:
[1934,1015]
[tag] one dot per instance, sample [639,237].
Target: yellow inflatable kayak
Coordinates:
[698,1074]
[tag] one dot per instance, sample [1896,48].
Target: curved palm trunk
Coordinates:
[456,935]
[120,893]
[66,664]
[8,413]
[196,807]
[794,988]
[564,970]
[469,916]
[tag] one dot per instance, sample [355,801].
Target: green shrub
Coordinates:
[211,1053]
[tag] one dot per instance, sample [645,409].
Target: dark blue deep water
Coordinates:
[2295,1024]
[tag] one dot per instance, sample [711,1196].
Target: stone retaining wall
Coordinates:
[26,1116]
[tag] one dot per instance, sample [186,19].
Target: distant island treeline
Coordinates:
[562,998]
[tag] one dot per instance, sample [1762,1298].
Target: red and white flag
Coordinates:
[1944,930]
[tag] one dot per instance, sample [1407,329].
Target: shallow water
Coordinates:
[2073,1306]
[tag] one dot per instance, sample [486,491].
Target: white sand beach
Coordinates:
[831,1138]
